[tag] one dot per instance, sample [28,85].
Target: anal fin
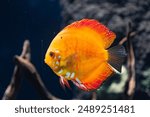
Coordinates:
[96,78]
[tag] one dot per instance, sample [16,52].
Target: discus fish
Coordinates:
[81,53]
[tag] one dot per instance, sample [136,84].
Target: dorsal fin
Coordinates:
[108,36]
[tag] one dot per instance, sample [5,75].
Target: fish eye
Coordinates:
[52,54]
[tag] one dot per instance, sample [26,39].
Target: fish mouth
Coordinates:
[45,61]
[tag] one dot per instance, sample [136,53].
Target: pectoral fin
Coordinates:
[64,82]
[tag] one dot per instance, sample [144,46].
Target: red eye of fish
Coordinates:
[52,54]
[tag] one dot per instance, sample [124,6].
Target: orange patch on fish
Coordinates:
[80,53]
[90,26]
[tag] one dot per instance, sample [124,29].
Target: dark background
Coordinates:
[40,20]
[36,20]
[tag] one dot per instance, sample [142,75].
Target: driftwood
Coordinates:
[14,85]
[131,81]
[129,91]
[25,69]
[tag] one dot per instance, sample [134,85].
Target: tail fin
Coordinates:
[116,57]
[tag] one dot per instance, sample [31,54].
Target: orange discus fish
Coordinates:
[81,53]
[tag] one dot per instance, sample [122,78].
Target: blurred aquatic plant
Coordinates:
[146,82]
[119,87]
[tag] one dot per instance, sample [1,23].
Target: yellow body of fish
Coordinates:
[79,53]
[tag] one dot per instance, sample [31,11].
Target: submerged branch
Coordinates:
[24,68]
[131,82]
[94,96]
[125,38]
[12,89]
[33,76]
